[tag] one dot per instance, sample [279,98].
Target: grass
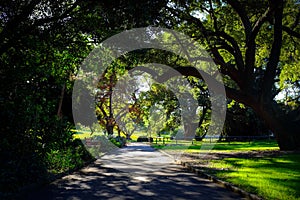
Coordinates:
[188,147]
[269,177]
[87,134]
[257,145]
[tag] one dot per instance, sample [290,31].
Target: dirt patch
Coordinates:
[206,157]
[244,154]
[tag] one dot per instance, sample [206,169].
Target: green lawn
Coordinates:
[269,177]
[257,145]
[188,147]
[86,134]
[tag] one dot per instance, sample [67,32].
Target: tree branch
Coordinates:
[291,32]
[234,74]
[193,19]
[243,15]
[40,22]
[9,34]
[260,22]
[236,49]
[251,46]
[270,73]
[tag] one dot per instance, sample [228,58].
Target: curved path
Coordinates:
[135,172]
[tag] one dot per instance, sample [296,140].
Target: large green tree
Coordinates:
[42,44]
[256,46]
[39,54]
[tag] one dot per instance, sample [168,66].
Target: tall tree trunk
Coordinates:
[59,110]
[285,129]
[110,128]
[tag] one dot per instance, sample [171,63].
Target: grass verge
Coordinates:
[257,166]
[188,147]
[269,177]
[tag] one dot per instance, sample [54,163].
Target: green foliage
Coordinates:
[160,106]
[242,121]
[118,141]
[49,149]
[67,159]
[256,49]
[290,71]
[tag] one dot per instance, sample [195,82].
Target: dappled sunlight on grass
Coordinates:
[84,134]
[271,177]
[256,166]
[247,146]
[220,146]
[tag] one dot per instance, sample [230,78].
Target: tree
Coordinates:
[42,45]
[242,121]
[161,108]
[253,47]
[36,73]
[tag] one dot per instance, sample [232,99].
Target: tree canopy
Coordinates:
[255,48]
[255,45]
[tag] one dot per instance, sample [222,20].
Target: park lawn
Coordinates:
[256,145]
[87,134]
[269,177]
[84,134]
[188,147]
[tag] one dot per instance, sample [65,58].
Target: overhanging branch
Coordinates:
[270,73]
[291,32]
[240,10]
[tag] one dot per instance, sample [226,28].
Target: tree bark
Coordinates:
[59,110]
[285,129]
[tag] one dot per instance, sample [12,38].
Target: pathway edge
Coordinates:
[214,179]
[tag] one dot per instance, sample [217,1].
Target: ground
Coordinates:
[135,172]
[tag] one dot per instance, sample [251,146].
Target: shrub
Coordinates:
[118,141]
[144,139]
[34,155]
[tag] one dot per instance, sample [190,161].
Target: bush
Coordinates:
[70,158]
[118,141]
[144,139]
[35,155]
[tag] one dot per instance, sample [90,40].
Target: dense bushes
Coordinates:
[118,141]
[38,154]
[144,139]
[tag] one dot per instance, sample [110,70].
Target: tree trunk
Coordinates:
[190,130]
[286,130]
[59,110]
[110,129]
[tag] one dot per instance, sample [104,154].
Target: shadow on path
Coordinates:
[149,175]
